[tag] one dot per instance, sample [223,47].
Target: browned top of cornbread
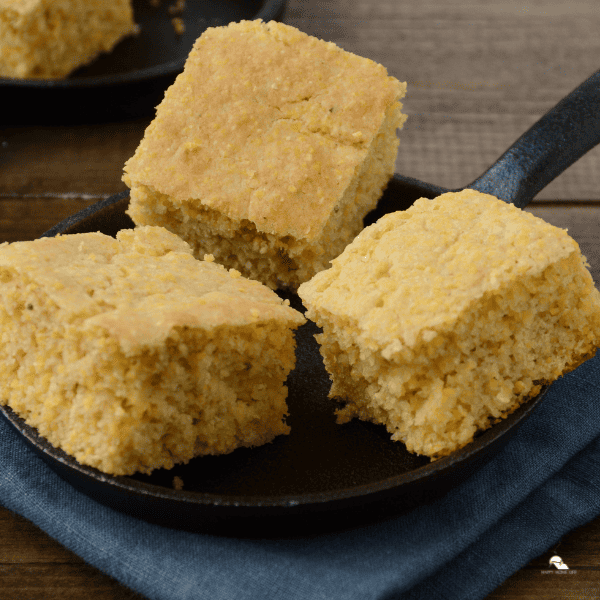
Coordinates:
[267,124]
[19,5]
[406,276]
[141,285]
[23,7]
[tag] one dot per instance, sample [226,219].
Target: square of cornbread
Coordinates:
[50,38]
[442,319]
[268,150]
[130,354]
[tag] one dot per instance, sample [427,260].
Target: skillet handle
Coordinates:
[554,143]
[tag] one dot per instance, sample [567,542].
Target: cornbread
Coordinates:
[50,38]
[268,150]
[131,355]
[442,319]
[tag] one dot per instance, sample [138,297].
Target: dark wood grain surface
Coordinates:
[479,73]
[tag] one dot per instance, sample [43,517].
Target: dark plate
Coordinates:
[322,476]
[131,80]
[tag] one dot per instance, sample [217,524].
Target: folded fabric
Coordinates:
[543,483]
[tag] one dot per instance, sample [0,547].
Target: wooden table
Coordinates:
[479,74]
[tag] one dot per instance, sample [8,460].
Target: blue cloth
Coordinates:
[545,482]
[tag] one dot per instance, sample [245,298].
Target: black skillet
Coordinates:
[131,80]
[325,476]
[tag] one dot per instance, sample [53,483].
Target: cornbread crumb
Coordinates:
[440,320]
[178,25]
[177,483]
[131,355]
[177,8]
[50,38]
[268,150]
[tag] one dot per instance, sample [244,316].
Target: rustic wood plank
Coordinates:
[447,150]
[68,581]
[479,74]
[466,105]
[23,543]
[579,550]
[33,566]
[81,159]
[549,585]
[26,218]
[582,223]
[51,569]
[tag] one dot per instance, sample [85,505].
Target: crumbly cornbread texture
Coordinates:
[50,38]
[268,150]
[440,320]
[130,354]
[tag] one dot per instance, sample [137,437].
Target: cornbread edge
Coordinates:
[436,369]
[124,403]
[49,39]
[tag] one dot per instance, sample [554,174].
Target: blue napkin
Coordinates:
[545,482]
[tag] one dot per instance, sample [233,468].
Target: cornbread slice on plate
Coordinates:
[50,38]
[131,355]
[268,150]
[442,319]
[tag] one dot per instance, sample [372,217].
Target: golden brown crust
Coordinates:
[50,38]
[141,285]
[433,260]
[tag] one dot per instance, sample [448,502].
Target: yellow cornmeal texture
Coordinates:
[268,150]
[440,320]
[50,38]
[131,355]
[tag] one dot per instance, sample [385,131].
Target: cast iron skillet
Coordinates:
[325,476]
[130,81]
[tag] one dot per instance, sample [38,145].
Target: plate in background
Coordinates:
[321,477]
[130,81]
